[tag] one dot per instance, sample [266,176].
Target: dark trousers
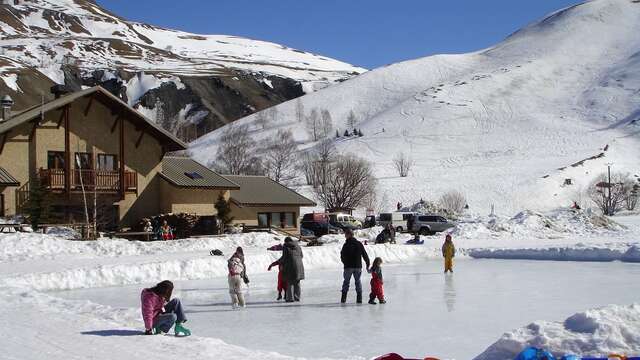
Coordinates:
[292,291]
[347,274]
[173,313]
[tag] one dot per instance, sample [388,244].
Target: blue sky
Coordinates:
[368,33]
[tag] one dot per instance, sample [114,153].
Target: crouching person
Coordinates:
[160,313]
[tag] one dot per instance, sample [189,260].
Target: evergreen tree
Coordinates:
[346,133]
[224,212]
[360,133]
[337,134]
[38,204]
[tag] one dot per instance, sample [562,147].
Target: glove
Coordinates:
[246,279]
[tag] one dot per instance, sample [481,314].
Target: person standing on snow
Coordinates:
[292,269]
[351,255]
[377,290]
[448,252]
[160,312]
[237,275]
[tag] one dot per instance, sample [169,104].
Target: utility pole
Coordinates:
[609,210]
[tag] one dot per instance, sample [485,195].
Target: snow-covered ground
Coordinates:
[72,299]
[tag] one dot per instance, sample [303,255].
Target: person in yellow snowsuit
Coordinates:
[448,251]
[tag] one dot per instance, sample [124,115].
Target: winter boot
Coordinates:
[279,296]
[179,329]
[343,299]
[383,301]
[359,298]
[372,299]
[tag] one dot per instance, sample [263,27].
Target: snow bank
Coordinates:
[597,332]
[580,252]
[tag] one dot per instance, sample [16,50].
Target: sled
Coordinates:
[413,242]
[394,356]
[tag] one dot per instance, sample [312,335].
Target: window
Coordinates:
[83,161]
[263,219]
[385,217]
[193,175]
[407,216]
[289,220]
[55,160]
[107,162]
[441,219]
[276,220]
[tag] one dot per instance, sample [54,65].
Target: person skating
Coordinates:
[292,269]
[160,312]
[377,290]
[237,275]
[448,252]
[351,255]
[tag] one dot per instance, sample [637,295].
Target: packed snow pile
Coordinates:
[597,333]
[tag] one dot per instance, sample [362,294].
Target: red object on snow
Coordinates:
[394,356]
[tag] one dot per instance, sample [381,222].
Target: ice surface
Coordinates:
[428,313]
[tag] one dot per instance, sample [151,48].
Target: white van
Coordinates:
[398,219]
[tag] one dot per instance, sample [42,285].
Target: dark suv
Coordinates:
[319,224]
[431,224]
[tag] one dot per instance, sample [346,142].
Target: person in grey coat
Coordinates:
[292,268]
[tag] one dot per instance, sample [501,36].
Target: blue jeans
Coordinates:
[173,313]
[347,279]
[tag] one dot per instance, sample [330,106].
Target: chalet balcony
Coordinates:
[104,181]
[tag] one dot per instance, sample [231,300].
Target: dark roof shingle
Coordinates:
[186,172]
[260,190]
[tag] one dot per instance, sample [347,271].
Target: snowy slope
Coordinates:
[497,124]
[189,79]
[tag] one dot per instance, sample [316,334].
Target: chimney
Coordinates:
[59,90]
[6,102]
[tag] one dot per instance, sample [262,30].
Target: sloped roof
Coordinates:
[7,179]
[170,142]
[186,172]
[262,191]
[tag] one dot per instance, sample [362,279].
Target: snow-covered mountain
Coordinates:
[186,81]
[505,125]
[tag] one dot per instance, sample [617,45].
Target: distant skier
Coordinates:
[351,255]
[160,312]
[292,269]
[237,275]
[448,252]
[377,290]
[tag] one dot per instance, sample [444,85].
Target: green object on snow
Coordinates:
[179,329]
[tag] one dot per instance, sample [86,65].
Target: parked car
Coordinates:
[344,221]
[398,219]
[319,224]
[431,224]
[369,221]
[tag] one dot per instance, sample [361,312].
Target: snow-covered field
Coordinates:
[71,299]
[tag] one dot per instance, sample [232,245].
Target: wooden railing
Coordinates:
[99,180]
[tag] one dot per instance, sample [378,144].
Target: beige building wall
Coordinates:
[189,200]
[92,134]
[248,215]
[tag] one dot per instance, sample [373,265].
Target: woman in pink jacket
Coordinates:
[160,312]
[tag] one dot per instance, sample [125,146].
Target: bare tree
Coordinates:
[315,163]
[403,164]
[237,153]
[272,114]
[610,196]
[313,124]
[279,155]
[352,120]
[299,110]
[262,119]
[348,184]
[453,202]
[326,124]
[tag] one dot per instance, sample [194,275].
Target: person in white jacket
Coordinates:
[237,275]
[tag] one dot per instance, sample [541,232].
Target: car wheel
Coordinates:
[399,229]
[425,231]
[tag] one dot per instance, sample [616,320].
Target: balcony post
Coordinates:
[67,154]
[122,177]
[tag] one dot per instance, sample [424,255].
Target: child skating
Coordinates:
[377,290]
[448,252]
[282,284]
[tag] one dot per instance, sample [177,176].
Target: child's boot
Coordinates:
[372,299]
[179,329]
[383,301]
[279,296]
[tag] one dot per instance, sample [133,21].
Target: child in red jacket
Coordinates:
[376,282]
[282,285]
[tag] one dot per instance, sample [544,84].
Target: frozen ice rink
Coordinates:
[428,313]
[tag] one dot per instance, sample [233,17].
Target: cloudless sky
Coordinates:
[368,33]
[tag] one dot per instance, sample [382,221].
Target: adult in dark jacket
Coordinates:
[292,269]
[351,255]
